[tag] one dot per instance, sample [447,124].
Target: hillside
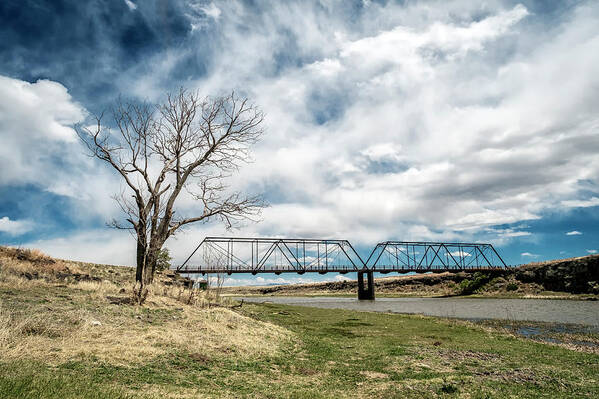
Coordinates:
[56,312]
[573,277]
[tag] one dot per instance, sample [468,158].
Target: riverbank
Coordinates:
[574,278]
[511,310]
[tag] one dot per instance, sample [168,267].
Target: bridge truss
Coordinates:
[405,257]
[272,255]
[281,255]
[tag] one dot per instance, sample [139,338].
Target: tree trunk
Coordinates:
[141,261]
[150,268]
[142,277]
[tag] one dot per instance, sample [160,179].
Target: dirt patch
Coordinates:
[468,355]
[120,300]
[517,375]
[200,358]
[374,375]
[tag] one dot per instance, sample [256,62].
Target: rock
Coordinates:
[95,323]
[575,275]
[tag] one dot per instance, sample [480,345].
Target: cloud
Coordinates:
[211,10]
[592,251]
[132,6]
[460,253]
[42,110]
[15,227]
[581,203]
[98,246]
[201,15]
[518,234]
[283,279]
[40,146]
[573,233]
[259,280]
[529,255]
[510,233]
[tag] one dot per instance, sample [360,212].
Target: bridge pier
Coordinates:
[366,292]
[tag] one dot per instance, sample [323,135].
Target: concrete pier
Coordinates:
[365,291]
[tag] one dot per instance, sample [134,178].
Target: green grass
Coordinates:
[336,354]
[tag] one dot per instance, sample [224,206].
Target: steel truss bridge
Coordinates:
[283,255]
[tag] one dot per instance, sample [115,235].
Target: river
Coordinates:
[538,310]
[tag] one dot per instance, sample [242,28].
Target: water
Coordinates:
[537,310]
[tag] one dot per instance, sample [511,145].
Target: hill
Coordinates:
[57,312]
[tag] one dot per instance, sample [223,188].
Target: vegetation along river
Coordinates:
[538,310]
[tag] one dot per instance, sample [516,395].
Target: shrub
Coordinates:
[512,287]
[469,286]
[164,259]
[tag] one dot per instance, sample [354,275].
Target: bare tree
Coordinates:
[219,281]
[185,145]
[216,280]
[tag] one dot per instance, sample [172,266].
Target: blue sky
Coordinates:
[419,120]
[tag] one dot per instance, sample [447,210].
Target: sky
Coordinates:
[385,120]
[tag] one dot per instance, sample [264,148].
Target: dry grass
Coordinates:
[54,319]
[125,342]
[134,339]
[32,263]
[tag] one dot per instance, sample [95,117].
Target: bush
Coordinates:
[469,286]
[164,259]
[512,287]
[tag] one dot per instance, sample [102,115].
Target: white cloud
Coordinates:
[341,277]
[518,234]
[573,233]
[15,227]
[132,6]
[383,152]
[529,255]
[592,251]
[41,148]
[211,10]
[43,111]
[327,67]
[510,233]
[201,14]
[98,246]
[460,253]
[581,203]
[231,281]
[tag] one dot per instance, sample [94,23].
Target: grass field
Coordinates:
[74,340]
